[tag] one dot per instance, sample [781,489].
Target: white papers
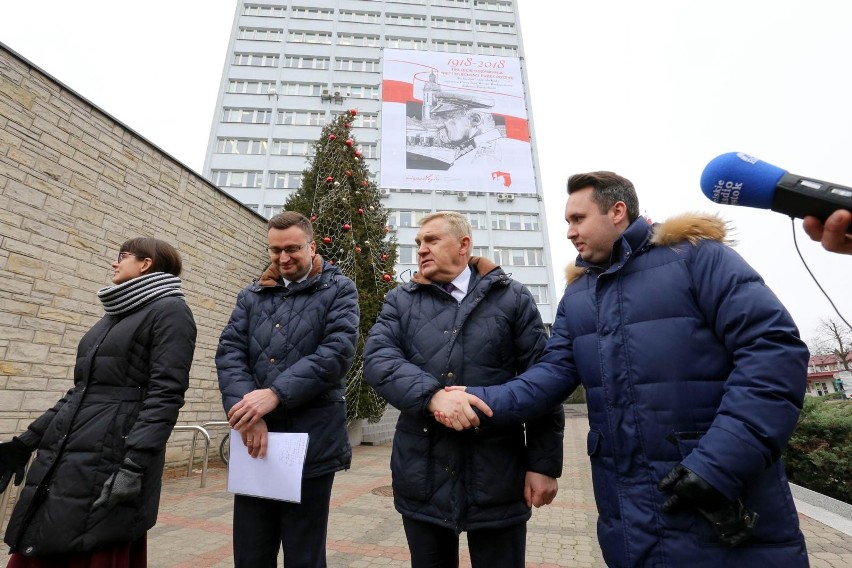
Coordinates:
[277,476]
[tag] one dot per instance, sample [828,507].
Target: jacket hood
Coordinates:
[691,227]
[271,276]
[478,264]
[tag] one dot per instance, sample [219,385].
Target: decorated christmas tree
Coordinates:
[350,229]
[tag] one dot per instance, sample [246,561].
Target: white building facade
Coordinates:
[410,68]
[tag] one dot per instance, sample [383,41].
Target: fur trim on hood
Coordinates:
[271,275]
[692,227]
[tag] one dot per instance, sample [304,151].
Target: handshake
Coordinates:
[454,408]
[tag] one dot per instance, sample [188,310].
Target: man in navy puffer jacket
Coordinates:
[694,375]
[282,362]
[461,321]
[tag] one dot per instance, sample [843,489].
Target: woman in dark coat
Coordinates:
[93,490]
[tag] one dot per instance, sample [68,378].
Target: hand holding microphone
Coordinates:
[739,179]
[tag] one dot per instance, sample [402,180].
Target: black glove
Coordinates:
[732,521]
[14,456]
[123,485]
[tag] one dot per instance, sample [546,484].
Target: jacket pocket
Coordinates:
[412,461]
[497,467]
[606,495]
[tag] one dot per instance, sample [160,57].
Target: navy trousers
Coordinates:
[263,526]
[433,546]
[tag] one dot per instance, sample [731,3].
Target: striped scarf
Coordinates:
[133,294]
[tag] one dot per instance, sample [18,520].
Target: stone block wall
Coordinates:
[74,185]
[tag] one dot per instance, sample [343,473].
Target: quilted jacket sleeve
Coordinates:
[173,345]
[322,370]
[399,381]
[232,354]
[764,391]
[544,433]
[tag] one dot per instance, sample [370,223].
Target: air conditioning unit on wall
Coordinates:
[505,197]
[384,192]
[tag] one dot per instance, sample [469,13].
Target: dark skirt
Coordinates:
[124,555]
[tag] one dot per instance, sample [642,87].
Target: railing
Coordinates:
[198,430]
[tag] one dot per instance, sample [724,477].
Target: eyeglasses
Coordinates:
[123,255]
[289,250]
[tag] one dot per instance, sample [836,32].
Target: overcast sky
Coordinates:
[652,90]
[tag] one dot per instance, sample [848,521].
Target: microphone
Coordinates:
[736,178]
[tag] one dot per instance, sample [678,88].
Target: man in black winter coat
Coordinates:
[461,321]
[282,362]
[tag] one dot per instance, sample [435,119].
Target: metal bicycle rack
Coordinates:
[198,430]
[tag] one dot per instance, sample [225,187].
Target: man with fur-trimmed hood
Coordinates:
[694,375]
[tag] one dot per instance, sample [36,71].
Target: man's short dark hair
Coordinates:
[287,219]
[608,188]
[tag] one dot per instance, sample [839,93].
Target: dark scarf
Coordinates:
[137,292]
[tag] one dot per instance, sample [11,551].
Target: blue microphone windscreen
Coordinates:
[739,179]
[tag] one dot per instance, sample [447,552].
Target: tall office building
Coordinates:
[443,116]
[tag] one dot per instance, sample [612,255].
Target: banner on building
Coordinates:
[454,121]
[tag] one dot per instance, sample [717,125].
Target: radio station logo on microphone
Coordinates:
[746,158]
[727,192]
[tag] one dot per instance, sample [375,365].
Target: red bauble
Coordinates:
[384,256]
[387,229]
[332,137]
[329,179]
[357,249]
[358,153]
[348,173]
[349,142]
[347,125]
[386,278]
[347,226]
[360,211]
[327,240]
[364,183]
[313,218]
[353,112]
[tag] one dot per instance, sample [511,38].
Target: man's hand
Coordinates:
[539,489]
[832,234]
[256,439]
[254,406]
[732,521]
[453,408]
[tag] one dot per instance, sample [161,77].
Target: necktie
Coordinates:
[449,287]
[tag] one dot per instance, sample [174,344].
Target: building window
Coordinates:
[270,210]
[369,150]
[479,251]
[358,40]
[223,178]
[261,34]
[257,59]
[450,24]
[358,91]
[301,89]
[506,50]
[421,2]
[406,218]
[250,87]
[262,10]
[306,62]
[452,3]
[247,115]
[515,221]
[405,20]
[363,120]
[495,5]
[518,257]
[309,37]
[405,43]
[477,220]
[370,65]
[360,17]
[246,146]
[311,13]
[293,147]
[407,254]
[452,46]
[301,117]
[539,292]
[285,180]
[495,27]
